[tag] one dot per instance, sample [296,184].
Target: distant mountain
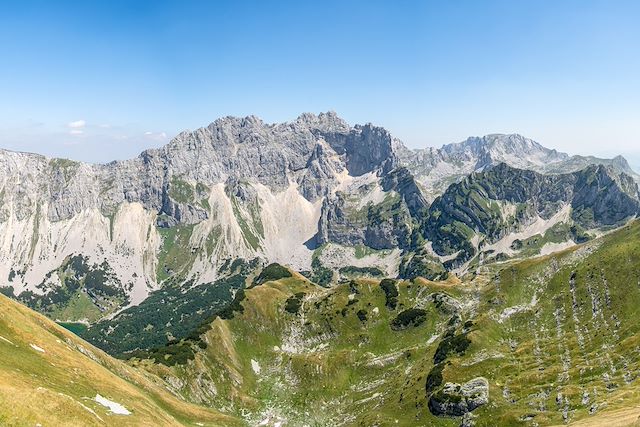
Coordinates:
[436,168]
[82,241]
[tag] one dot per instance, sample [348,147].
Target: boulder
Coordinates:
[455,399]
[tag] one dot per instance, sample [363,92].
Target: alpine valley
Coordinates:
[314,273]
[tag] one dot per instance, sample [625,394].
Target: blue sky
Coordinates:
[98,81]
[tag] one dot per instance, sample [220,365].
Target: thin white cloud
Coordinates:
[78,124]
[155,136]
[76,132]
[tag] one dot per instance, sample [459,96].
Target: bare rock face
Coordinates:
[459,399]
[604,196]
[310,152]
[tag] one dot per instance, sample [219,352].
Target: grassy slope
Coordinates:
[576,350]
[319,367]
[571,353]
[57,387]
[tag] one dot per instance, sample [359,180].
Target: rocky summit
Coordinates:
[318,272]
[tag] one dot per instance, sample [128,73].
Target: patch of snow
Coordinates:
[6,340]
[36,348]
[114,407]
[255,366]
[375,310]
[432,339]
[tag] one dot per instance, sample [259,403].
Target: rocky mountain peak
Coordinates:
[514,141]
[621,163]
[326,122]
[510,148]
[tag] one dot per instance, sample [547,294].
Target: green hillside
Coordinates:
[547,341]
[49,377]
[553,340]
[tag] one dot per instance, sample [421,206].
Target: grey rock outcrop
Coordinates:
[309,151]
[605,196]
[385,225]
[459,399]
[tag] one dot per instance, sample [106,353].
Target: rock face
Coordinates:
[242,148]
[457,400]
[378,214]
[237,188]
[602,197]
[242,188]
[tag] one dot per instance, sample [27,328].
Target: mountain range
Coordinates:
[314,188]
[269,270]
